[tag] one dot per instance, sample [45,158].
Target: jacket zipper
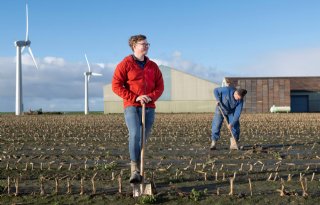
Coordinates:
[144,82]
[144,79]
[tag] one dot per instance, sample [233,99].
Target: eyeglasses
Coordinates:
[144,44]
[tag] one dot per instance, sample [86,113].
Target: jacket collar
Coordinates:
[131,59]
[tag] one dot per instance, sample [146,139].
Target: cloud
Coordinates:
[57,84]
[177,54]
[303,62]
[26,60]
[101,65]
[54,61]
[177,61]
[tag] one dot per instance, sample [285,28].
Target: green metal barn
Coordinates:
[183,93]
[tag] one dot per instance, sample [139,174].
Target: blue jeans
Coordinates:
[133,118]
[217,123]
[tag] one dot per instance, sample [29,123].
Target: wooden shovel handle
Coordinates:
[143,137]
[225,119]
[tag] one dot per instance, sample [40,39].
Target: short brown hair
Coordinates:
[242,92]
[134,39]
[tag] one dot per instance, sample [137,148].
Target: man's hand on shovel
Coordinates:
[144,99]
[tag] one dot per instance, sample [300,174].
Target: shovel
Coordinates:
[225,119]
[143,188]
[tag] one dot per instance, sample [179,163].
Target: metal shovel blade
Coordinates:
[142,189]
[136,190]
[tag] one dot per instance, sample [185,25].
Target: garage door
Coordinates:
[299,103]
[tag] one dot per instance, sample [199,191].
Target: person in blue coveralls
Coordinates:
[230,100]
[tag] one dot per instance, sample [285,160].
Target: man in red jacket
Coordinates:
[137,80]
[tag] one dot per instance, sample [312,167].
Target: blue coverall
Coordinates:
[231,108]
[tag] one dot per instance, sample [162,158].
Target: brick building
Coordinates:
[302,94]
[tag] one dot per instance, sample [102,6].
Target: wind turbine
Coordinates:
[20,46]
[86,85]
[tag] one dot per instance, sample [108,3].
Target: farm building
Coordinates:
[182,93]
[301,94]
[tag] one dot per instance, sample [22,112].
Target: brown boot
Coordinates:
[135,172]
[234,144]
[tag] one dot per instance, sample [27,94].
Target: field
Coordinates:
[77,159]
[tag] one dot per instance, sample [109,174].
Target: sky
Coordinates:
[210,39]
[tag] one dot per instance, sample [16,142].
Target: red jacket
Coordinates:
[130,81]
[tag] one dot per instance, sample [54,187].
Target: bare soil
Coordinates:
[280,154]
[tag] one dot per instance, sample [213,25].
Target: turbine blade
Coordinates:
[27,23]
[85,55]
[22,49]
[96,74]
[34,60]
[89,78]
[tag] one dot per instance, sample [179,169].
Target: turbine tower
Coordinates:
[86,85]
[20,46]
